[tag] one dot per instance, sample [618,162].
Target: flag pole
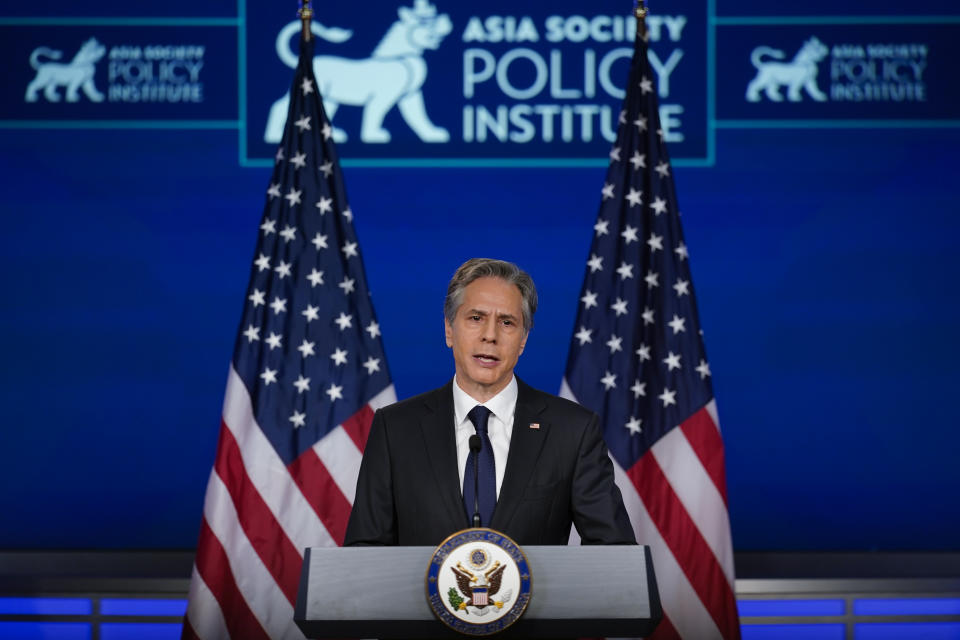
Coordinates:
[305,13]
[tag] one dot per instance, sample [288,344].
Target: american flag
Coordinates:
[637,358]
[307,374]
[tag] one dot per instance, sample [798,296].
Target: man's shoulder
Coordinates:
[555,405]
[427,401]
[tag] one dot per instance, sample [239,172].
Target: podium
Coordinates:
[379,592]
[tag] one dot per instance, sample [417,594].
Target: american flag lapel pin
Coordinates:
[534,425]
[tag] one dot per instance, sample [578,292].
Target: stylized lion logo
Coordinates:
[799,73]
[75,75]
[392,75]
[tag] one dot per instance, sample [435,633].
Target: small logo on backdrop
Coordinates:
[392,76]
[800,74]
[478,582]
[135,73]
[74,76]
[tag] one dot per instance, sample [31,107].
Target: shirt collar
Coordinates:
[501,405]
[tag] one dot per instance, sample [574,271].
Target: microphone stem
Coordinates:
[476,489]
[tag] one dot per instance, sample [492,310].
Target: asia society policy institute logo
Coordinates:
[442,80]
[859,72]
[163,74]
[392,76]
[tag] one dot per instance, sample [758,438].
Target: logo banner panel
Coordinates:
[119,73]
[439,80]
[837,72]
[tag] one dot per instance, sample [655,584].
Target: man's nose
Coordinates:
[489,333]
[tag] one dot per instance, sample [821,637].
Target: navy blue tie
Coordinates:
[486,469]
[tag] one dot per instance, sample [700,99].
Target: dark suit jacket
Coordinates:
[408,492]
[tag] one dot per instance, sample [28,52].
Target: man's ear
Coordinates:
[523,343]
[448,332]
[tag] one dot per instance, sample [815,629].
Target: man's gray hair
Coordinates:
[476,268]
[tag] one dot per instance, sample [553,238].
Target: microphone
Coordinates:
[475,445]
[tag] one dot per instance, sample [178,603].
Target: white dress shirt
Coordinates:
[499,426]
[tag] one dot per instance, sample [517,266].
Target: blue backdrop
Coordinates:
[824,242]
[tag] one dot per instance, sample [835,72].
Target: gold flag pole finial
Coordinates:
[306,13]
[640,12]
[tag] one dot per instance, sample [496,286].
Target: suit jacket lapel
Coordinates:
[440,441]
[525,447]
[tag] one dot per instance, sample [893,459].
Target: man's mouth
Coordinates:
[486,359]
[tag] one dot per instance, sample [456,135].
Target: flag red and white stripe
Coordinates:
[258,520]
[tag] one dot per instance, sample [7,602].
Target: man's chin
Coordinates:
[487,378]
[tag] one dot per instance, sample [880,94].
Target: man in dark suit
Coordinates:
[542,463]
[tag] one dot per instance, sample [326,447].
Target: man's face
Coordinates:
[487,336]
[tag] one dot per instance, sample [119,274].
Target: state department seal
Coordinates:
[478,582]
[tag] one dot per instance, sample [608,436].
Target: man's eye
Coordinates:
[475,318]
